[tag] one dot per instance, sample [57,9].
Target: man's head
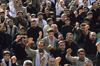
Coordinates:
[67,21]
[94,5]
[27,1]
[85,9]
[88,63]
[52,14]
[86,21]
[20,14]
[93,36]
[81,54]
[23,40]
[50,32]
[48,4]
[3,30]
[40,15]
[41,46]
[28,63]
[47,10]
[82,26]
[33,16]
[3,5]
[19,3]
[85,3]
[90,15]
[2,14]
[55,28]
[49,21]
[51,62]
[63,16]
[10,23]
[33,24]
[6,55]
[61,46]
[69,37]
[67,12]
[22,31]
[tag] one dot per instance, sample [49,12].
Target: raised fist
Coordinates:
[49,47]
[77,24]
[13,58]
[69,51]
[58,59]
[30,40]
[7,12]
[87,27]
[43,59]
[40,33]
[18,37]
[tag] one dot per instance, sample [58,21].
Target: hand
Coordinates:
[40,34]
[7,12]
[98,46]
[58,19]
[1,64]
[18,38]
[13,58]
[28,15]
[75,12]
[6,18]
[50,47]
[58,59]
[43,59]
[30,40]
[80,11]
[79,6]
[77,24]
[41,8]
[87,27]
[60,37]
[69,51]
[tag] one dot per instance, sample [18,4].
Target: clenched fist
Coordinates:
[69,51]
[43,59]
[13,58]
[49,47]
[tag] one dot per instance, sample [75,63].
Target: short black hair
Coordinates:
[60,42]
[69,33]
[67,10]
[10,20]
[2,12]
[86,19]
[23,36]
[19,12]
[93,2]
[22,28]
[49,19]
[33,20]
[82,24]
[33,15]
[39,13]
[90,12]
[86,7]
[6,52]
[80,50]
[41,42]
[50,30]
[28,62]
[47,8]
[67,19]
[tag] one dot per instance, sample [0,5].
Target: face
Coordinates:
[85,10]
[51,62]
[82,28]
[40,16]
[6,57]
[63,18]
[55,28]
[40,47]
[51,34]
[95,5]
[19,3]
[3,7]
[11,23]
[33,24]
[67,22]
[3,30]
[47,11]
[20,15]
[24,41]
[86,4]
[22,32]
[70,38]
[62,46]
[50,22]
[2,15]
[81,56]
[48,5]
[93,36]
[67,13]
[90,16]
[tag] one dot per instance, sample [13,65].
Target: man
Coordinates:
[11,28]
[40,21]
[46,27]
[2,16]
[36,55]
[48,40]
[79,60]
[81,33]
[34,30]
[5,42]
[18,7]
[28,63]
[18,46]
[18,19]
[95,10]
[60,52]
[90,47]
[56,32]
[7,61]
[71,44]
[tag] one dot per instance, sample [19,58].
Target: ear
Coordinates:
[77,54]
[66,37]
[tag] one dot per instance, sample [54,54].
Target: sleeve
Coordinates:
[10,17]
[15,4]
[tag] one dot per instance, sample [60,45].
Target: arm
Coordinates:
[15,4]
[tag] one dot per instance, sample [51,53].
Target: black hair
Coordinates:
[93,2]
[69,33]
[90,12]
[82,24]
[10,20]
[86,19]
[80,50]
[28,62]
[19,12]
[50,30]
[6,52]
[49,19]
[60,42]
[67,19]
[41,42]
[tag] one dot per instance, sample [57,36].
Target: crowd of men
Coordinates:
[49,32]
